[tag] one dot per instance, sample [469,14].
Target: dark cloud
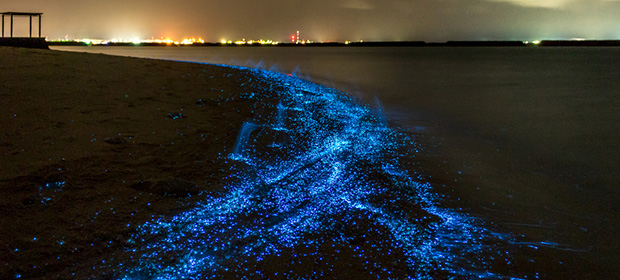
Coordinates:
[327,20]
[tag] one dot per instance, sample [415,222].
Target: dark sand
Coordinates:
[93,146]
[81,131]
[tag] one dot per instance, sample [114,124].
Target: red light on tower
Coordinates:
[295,38]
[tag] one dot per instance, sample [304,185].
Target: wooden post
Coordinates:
[30,26]
[11,25]
[2,26]
[40,26]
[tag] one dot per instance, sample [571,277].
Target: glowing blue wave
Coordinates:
[321,176]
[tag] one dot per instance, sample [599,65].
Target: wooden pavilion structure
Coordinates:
[13,14]
[24,42]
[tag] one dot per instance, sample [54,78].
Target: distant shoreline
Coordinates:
[544,43]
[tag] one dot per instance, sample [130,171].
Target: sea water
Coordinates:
[525,139]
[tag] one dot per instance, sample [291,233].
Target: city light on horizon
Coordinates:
[323,21]
[162,40]
[296,39]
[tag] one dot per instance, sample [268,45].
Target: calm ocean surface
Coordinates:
[527,139]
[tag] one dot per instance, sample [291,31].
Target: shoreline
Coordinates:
[542,43]
[106,151]
[82,132]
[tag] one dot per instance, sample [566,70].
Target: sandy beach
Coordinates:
[94,147]
[80,132]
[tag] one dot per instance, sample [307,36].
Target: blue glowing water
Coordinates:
[342,168]
[527,137]
[243,138]
[280,125]
[281,136]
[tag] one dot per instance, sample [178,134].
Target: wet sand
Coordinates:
[93,146]
[558,233]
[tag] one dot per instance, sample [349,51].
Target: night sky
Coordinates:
[324,20]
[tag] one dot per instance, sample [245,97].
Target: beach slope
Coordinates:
[94,145]
[125,168]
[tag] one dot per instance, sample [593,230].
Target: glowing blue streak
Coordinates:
[280,200]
